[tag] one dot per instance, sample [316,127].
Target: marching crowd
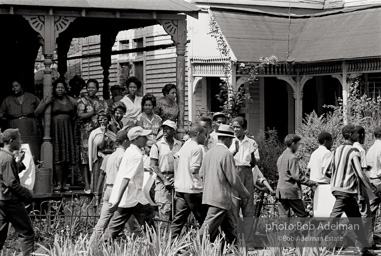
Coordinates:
[125,141]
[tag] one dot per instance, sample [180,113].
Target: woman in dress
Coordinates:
[64,111]
[88,108]
[18,112]
[132,101]
[167,107]
[101,144]
[148,119]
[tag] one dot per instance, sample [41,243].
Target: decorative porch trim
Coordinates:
[268,70]
[61,23]
[208,69]
[195,82]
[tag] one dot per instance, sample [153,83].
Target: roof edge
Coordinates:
[320,14]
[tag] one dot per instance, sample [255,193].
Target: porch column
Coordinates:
[345,86]
[343,80]
[297,86]
[107,41]
[177,29]
[49,28]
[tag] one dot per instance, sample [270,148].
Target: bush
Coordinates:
[269,151]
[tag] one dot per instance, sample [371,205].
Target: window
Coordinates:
[124,44]
[139,72]
[138,43]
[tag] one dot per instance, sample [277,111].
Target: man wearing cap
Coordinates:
[218,119]
[221,180]
[163,164]
[109,168]
[188,184]
[346,176]
[127,197]
[373,159]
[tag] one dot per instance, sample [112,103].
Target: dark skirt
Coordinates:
[30,131]
[63,139]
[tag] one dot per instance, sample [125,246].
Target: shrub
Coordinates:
[269,150]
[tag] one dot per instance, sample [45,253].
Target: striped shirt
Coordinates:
[345,170]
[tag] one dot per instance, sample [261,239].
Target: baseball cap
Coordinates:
[225,130]
[218,114]
[171,124]
[137,131]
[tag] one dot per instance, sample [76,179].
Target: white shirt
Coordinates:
[318,160]
[362,154]
[190,157]
[373,158]
[246,147]
[113,164]
[131,168]
[133,108]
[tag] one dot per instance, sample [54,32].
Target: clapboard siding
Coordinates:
[91,67]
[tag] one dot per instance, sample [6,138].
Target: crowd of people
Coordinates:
[125,141]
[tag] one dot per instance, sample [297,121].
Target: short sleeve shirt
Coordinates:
[131,168]
[373,158]
[318,160]
[162,152]
[112,165]
[246,147]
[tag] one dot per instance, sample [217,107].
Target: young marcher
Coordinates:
[319,158]
[127,197]
[245,152]
[363,197]
[221,181]
[110,171]
[163,164]
[13,195]
[346,176]
[218,119]
[373,159]
[289,190]
[188,185]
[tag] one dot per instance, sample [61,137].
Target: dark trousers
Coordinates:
[142,213]
[185,204]
[14,212]
[296,205]
[347,203]
[217,217]
[246,205]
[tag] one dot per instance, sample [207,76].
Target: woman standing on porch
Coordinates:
[64,110]
[18,112]
[132,101]
[88,107]
[167,107]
